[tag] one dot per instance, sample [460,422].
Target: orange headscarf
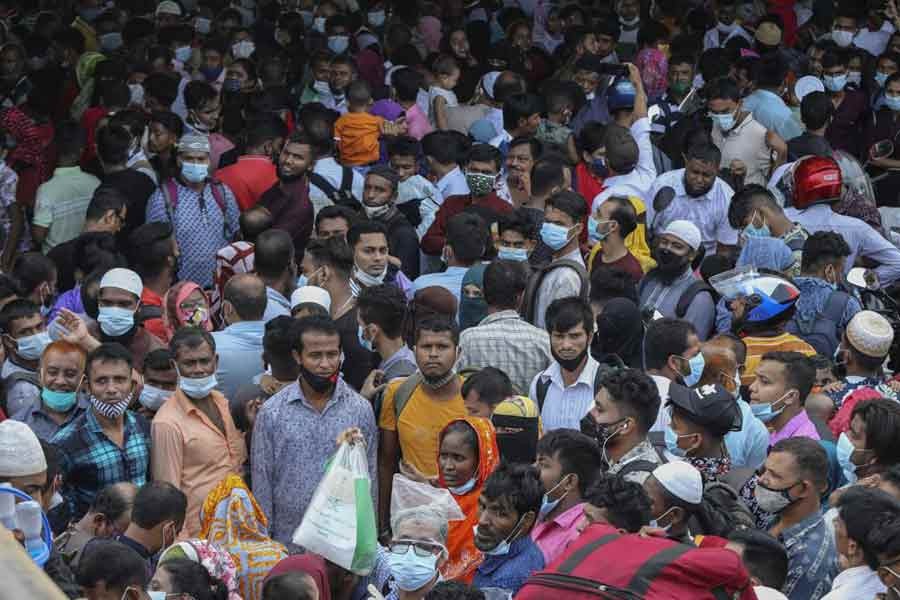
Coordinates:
[464,556]
[173,317]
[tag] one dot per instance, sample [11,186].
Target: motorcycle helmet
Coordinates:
[621,95]
[817,180]
[768,294]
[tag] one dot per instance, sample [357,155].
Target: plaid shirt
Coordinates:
[506,341]
[91,461]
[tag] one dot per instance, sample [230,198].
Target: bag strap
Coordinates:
[543,384]
[635,466]
[684,302]
[323,184]
[576,558]
[642,580]
[170,197]
[347,180]
[218,193]
[404,392]
[534,284]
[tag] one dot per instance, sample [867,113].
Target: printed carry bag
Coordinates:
[340,521]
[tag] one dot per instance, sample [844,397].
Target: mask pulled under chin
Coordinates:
[569,364]
[435,383]
[317,382]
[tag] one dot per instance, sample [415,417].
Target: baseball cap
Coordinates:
[709,406]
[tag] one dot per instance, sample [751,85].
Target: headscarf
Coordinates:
[472,310]
[464,556]
[216,561]
[311,564]
[84,76]
[620,331]
[173,318]
[234,521]
[430,30]
[654,68]
[432,301]
[769,252]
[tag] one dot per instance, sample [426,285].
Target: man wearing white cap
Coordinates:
[676,493]
[663,288]
[203,213]
[310,300]
[168,14]
[240,344]
[118,301]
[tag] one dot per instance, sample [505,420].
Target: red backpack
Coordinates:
[602,563]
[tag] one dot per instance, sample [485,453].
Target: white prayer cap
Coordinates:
[21,454]
[167,7]
[681,479]
[685,231]
[807,84]
[311,293]
[870,333]
[123,279]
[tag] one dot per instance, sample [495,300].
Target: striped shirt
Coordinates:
[565,406]
[758,346]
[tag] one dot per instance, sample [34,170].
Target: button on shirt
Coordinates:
[708,212]
[565,406]
[61,204]
[192,453]
[862,239]
[239,347]
[289,426]
[812,558]
[855,583]
[555,535]
[772,113]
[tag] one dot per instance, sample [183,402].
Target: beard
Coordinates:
[289,178]
[669,266]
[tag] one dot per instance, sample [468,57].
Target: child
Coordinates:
[441,95]
[404,152]
[357,132]
[554,130]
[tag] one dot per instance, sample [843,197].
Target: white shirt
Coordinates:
[562,282]
[745,142]
[662,417]
[452,184]
[564,407]
[708,212]
[639,181]
[331,170]
[855,583]
[500,138]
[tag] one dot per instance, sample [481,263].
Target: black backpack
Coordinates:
[342,196]
[611,365]
[723,509]
[529,301]
[821,332]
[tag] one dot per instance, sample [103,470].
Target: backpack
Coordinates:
[821,332]
[724,509]
[342,196]
[529,302]
[170,195]
[604,370]
[688,295]
[15,377]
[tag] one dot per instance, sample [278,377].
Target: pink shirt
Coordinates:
[417,122]
[553,537]
[799,426]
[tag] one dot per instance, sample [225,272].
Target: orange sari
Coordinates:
[464,556]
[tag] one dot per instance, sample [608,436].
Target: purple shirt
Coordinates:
[799,426]
[553,537]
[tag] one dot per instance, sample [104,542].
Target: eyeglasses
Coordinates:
[421,548]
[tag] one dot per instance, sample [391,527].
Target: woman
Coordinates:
[218,563]
[472,306]
[234,521]
[653,39]
[456,44]
[165,130]
[185,305]
[187,578]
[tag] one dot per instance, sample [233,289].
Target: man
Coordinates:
[203,213]
[624,409]
[109,514]
[561,230]
[302,421]
[671,354]
[565,390]
[791,486]
[725,29]
[764,558]
[113,570]
[416,408]
[851,105]
[518,236]
[195,441]
[666,110]
[61,374]
[108,443]
[615,220]
[61,201]
[24,339]
[239,345]
[237,257]
[675,490]
[254,172]
[549,175]
[467,241]
[118,301]
[567,462]
[334,221]
[615,501]
[695,194]
[379,203]
[671,289]
[381,312]
[865,448]
[319,125]
[281,368]
[115,148]
[816,112]
[521,117]
[507,510]
[765,103]
[154,257]
[160,382]
[482,166]
[273,260]
[372,264]
[503,339]
[157,517]
[287,199]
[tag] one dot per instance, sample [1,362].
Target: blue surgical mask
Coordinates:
[110,41]
[411,571]
[765,412]
[366,344]
[881,78]
[197,387]
[194,172]
[115,321]
[655,522]
[58,401]
[338,43]
[725,122]
[892,102]
[672,443]
[183,54]
[32,346]
[515,254]
[598,166]
[751,231]
[844,451]
[594,233]
[696,363]
[555,236]
[464,488]
[377,18]
[152,398]
[231,85]
[502,548]
[319,24]
[548,505]
[835,83]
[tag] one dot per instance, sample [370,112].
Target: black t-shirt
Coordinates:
[137,188]
[807,144]
[358,362]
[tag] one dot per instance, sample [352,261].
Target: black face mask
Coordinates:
[601,432]
[668,263]
[569,364]
[317,382]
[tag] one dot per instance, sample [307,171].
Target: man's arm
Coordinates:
[434,240]
[878,249]
[166,453]
[407,250]
[702,313]
[262,461]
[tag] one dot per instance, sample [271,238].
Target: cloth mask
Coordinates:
[115,321]
[111,411]
[681,87]
[376,212]
[555,236]
[194,172]
[835,83]
[31,347]
[338,43]
[317,382]
[411,571]
[152,397]
[514,254]
[773,501]
[569,364]
[197,387]
[480,184]
[464,488]
[60,402]
[436,383]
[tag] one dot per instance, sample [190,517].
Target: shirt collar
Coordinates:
[503,315]
[277,296]
[296,395]
[586,376]
[801,528]
[569,517]
[456,172]
[246,326]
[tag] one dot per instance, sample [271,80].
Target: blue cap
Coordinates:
[482,131]
[621,95]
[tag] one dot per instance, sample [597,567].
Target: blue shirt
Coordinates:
[450,280]
[509,571]
[812,558]
[770,111]
[239,347]
[276,305]
[748,447]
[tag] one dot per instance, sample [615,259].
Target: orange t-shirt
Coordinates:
[357,138]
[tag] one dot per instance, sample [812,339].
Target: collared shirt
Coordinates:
[561,282]
[564,406]
[862,239]
[90,461]
[708,212]
[289,426]
[748,447]
[799,426]
[239,347]
[401,364]
[22,394]
[812,558]
[506,341]
[509,571]
[43,425]
[61,203]
[249,178]
[201,227]
[450,280]
[555,535]
[192,453]
[638,181]
[453,184]
[276,305]
[772,113]
[333,171]
[644,451]
[855,583]
[656,294]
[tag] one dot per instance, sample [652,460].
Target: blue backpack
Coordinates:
[822,332]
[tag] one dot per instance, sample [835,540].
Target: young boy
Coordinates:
[403,152]
[441,95]
[357,132]
[554,129]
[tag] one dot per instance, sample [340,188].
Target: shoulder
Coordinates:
[65,436]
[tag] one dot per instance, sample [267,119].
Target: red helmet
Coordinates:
[817,180]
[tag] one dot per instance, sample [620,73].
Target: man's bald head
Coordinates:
[720,364]
[254,221]
[246,293]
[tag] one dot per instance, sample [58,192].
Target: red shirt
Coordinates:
[489,207]
[627,263]
[249,178]
[154,326]
[588,185]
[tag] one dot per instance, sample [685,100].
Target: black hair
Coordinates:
[576,453]
[592,137]
[484,153]
[109,501]
[248,299]
[113,145]
[158,360]
[821,248]
[461,426]
[609,27]
[443,147]
[811,459]
[534,145]
[336,212]
[157,502]
[106,198]
[764,557]
[835,58]
[816,110]
[193,579]
[151,246]
[722,88]
[296,585]
[273,253]
[492,384]
[571,203]
[438,324]
[467,236]
[519,484]
[651,32]
[454,590]
[635,394]
[403,145]
[863,509]
[627,504]
[771,71]
[407,83]
[882,422]
[191,337]
[608,283]
[385,306]
[358,93]
[163,87]
[316,325]
[564,314]
[169,120]
[799,372]
[20,308]
[32,269]
[624,214]
[118,566]
[708,153]
[504,282]
[357,230]
[263,129]
[746,201]
[520,221]
[105,353]
[254,221]
[518,107]
[546,174]
[279,336]
[333,252]
[69,140]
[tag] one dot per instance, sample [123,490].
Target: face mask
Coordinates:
[502,548]
[231,85]
[696,363]
[157,595]
[197,317]
[555,236]
[376,18]
[111,411]
[368,280]
[366,344]
[58,401]
[655,522]
[630,22]
[115,321]
[854,77]
[594,233]
[724,122]
[152,398]
[31,347]
[548,505]
[773,501]
[765,412]
[338,43]
[892,102]
[464,488]
[598,166]
[376,212]
[211,74]
[197,387]
[569,364]
[111,41]
[725,28]
[751,231]
[845,450]
[672,442]
[880,78]
[302,281]
[681,87]
[319,24]
[590,96]
[411,571]
[194,172]
[183,54]
[835,83]
[842,38]
[318,383]
[202,25]
[136,93]
[243,49]
[669,262]
[480,184]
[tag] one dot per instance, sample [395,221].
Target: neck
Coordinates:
[159,284]
[388,347]
[567,249]
[92,227]
[317,399]
[406,105]
[856,370]
[448,390]
[613,249]
[56,416]
[66,164]
[197,187]
[339,297]
[536,202]
[780,225]
[619,446]
[144,537]
[442,170]
[568,501]
[778,423]
[107,423]
[286,374]
[713,449]
[492,310]
[664,372]
[837,95]
[796,512]
[820,132]
[570,377]
[85,524]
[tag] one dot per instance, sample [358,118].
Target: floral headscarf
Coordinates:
[174,318]
[216,561]
[84,76]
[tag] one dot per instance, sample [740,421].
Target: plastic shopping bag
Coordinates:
[340,521]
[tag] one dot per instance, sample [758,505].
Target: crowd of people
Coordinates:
[607,287]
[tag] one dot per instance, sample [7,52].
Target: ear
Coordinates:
[296,356]
[678,514]
[98,524]
[9,342]
[578,227]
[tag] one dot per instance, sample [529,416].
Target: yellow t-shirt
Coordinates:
[421,422]
[758,346]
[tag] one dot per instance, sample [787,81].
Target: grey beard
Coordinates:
[435,383]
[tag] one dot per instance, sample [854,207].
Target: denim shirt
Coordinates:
[812,558]
[509,571]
